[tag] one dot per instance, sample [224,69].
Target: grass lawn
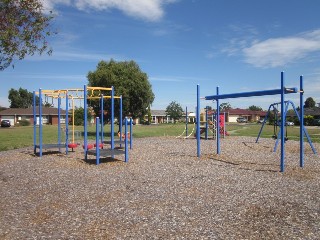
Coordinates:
[17,137]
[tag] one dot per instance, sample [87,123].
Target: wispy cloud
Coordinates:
[276,52]
[149,10]
[75,56]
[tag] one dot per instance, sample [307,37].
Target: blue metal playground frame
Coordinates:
[282,91]
[99,132]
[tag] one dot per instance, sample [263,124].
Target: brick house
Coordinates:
[49,115]
[233,114]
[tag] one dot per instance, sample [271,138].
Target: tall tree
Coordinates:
[21,98]
[128,81]
[174,110]
[24,29]
[149,115]
[255,108]
[78,116]
[309,103]
[225,106]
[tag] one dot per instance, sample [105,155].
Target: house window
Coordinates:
[62,119]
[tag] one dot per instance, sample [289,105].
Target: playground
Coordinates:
[172,187]
[164,192]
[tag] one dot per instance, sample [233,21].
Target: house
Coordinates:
[160,116]
[233,114]
[49,115]
[315,112]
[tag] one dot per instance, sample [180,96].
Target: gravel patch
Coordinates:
[164,192]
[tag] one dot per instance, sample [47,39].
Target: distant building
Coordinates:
[160,116]
[233,114]
[49,115]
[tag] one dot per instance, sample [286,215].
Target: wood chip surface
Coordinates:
[163,192]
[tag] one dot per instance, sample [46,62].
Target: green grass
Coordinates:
[18,137]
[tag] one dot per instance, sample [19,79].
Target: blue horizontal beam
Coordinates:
[251,94]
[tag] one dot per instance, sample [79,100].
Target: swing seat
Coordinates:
[89,146]
[72,145]
[100,145]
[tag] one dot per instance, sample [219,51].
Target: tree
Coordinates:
[149,115]
[78,116]
[309,103]
[128,81]
[174,110]
[225,106]
[23,30]
[255,108]
[21,98]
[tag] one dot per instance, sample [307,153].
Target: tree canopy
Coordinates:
[174,110]
[225,106]
[128,81]
[21,98]
[78,116]
[309,103]
[255,108]
[23,30]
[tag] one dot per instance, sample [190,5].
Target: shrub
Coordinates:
[24,123]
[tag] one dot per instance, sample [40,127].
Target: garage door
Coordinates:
[10,118]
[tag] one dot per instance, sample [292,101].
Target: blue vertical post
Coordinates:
[102,113]
[67,121]
[301,123]
[282,124]
[40,122]
[206,133]
[59,127]
[112,118]
[34,122]
[224,125]
[85,107]
[126,140]
[97,142]
[198,120]
[120,121]
[186,121]
[131,135]
[218,123]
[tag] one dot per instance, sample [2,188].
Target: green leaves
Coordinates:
[20,98]
[128,81]
[23,30]
[174,110]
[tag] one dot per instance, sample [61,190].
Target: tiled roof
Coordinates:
[158,113]
[238,111]
[312,111]
[308,111]
[161,113]
[29,111]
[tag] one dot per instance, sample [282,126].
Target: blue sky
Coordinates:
[238,45]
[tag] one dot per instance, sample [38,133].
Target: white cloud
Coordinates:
[75,56]
[277,52]
[150,10]
[49,4]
